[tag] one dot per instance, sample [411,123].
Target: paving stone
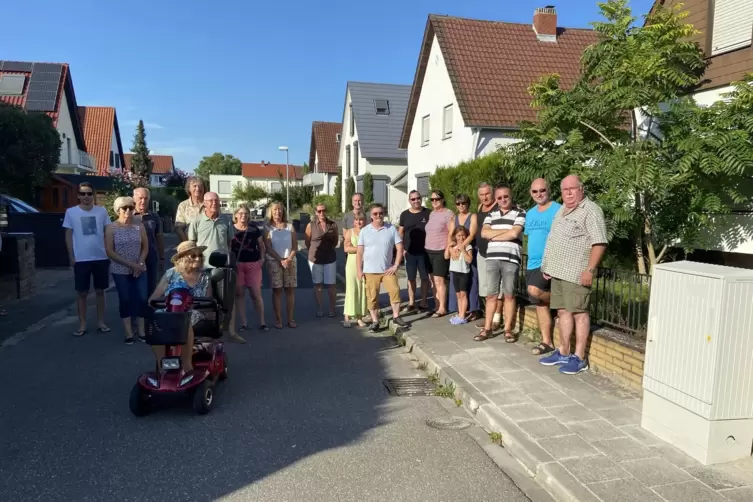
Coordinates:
[690,491]
[474,372]
[574,413]
[594,400]
[624,449]
[492,386]
[596,430]
[544,428]
[655,471]
[500,364]
[519,376]
[563,484]
[623,490]
[674,455]
[459,358]
[634,404]
[739,494]
[719,477]
[551,399]
[620,416]
[524,411]
[571,446]
[509,397]
[594,469]
[445,348]
[476,351]
[641,435]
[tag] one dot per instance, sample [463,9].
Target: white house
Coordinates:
[373,116]
[27,85]
[268,177]
[467,105]
[323,168]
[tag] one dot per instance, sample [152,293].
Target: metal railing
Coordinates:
[619,299]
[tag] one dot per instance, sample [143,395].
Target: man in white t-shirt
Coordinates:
[85,239]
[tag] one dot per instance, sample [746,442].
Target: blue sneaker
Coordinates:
[574,366]
[554,359]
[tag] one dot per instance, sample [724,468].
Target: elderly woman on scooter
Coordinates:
[187,272]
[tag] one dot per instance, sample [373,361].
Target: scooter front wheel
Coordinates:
[203,398]
[139,402]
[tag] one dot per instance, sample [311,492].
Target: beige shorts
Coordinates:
[569,296]
[280,277]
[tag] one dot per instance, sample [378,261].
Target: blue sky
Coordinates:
[239,77]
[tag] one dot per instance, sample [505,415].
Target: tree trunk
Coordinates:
[639,256]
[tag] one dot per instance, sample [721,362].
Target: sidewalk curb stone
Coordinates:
[539,464]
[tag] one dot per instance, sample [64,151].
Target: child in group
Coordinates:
[460,266]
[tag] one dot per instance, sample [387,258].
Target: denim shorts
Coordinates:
[501,276]
[416,264]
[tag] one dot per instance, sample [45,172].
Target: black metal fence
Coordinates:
[619,299]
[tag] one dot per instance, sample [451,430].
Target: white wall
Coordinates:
[707,98]
[397,202]
[464,143]
[331,183]
[69,149]
[345,140]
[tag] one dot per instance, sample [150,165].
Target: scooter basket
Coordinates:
[169,328]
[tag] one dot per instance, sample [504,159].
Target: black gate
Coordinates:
[49,236]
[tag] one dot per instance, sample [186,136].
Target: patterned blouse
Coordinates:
[175,280]
[127,243]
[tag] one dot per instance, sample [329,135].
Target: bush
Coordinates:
[350,189]
[329,201]
[368,190]
[466,177]
[168,204]
[339,192]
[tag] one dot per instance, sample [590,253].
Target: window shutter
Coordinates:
[380,191]
[359,186]
[355,158]
[733,25]
[422,185]
[347,161]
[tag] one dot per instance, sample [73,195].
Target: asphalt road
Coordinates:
[303,416]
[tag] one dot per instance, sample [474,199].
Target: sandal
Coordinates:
[510,337]
[79,332]
[542,349]
[243,328]
[437,315]
[346,324]
[331,314]
[278,325]
[482,336]
[104,329]
[264,327]
[292,324]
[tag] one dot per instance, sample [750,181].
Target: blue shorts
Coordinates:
[416,264]
[85,271]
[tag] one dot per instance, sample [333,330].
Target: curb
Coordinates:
[537,463]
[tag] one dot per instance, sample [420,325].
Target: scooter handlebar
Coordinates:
[199,302]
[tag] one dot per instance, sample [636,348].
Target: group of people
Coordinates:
[471,262]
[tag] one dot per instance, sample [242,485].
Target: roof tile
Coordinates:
[97,124]
[324,143]
[491,65]
[250,170]
[161,164]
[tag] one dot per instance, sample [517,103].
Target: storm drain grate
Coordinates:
[409,387]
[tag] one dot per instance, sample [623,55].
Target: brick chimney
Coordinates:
[545,24]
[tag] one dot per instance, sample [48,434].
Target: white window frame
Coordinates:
[425,130]
[732,26]
[447,116]
[221,184]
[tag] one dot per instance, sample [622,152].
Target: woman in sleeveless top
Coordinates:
[469,221]
[127,246]
[355,293]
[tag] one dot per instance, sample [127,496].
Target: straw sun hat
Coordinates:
[186,248]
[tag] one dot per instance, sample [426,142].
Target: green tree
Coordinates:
[218,163]
[630,131]
[350,189]
[248,192]
[141,162]
[29,151]
[175,184]
[339,192]
[368,190]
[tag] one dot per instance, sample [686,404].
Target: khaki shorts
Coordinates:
[570,296]
[373,283]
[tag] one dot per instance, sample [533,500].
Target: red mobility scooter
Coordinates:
[170,328]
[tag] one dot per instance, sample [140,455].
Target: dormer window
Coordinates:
[382,106]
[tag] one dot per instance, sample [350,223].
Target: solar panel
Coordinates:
[40,106]
[12,85]
[35,85]
[37,95]
[16,66]
[48,67]
[45,76]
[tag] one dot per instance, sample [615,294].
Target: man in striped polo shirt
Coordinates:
[502,228]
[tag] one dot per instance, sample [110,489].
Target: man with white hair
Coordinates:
[153,225]
[574,249]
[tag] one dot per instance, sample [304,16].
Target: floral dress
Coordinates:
[176,281]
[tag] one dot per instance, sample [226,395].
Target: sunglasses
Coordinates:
[543,190]
[503,197]
[196,256]
[320,211]
[375,215]
[86,194]
[414,199]
[435,199]
[461,204]
[127,208]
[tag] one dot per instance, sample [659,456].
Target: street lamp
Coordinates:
[287,177]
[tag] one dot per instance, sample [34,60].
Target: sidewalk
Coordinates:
[578,436]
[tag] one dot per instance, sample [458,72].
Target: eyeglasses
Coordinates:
[458,204]
[377,215]
[543,190]
[196,256]
[127,208]
[86,194]
[211,201]
[414,199]
[573,189]
[436,199]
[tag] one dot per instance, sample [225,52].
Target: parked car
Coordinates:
[15,205]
